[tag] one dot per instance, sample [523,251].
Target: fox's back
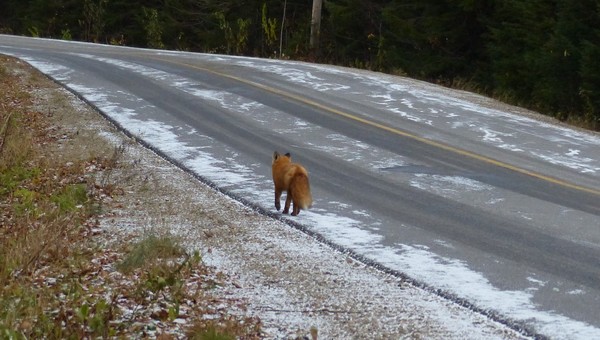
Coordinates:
[284,170]
[284,173]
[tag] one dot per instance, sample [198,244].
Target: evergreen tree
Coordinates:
[433,39]
[518,31]
[344,40]
[590,68]
[558,86]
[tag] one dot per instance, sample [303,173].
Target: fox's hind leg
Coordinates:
[288,200]
[277,199]
[295,209]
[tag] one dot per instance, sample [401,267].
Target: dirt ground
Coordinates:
[260,271]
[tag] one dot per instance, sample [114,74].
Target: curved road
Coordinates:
[448,188]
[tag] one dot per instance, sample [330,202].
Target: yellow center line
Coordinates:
[389,128]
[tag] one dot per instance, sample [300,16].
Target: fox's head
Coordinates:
[281,158]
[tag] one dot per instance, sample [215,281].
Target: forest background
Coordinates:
[539,54]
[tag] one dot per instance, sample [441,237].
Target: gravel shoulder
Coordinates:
[296,286]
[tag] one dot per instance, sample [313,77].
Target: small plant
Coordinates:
[96,317]
[212,333]
[111,163]
[149,250]
[71,197]
[225,329]
[153,28]
[11,178]
[66,34]
[34,32]
[25,204]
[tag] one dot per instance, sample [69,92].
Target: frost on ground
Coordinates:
[264,268]
[289,280]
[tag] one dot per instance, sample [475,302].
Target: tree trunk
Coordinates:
[315,27]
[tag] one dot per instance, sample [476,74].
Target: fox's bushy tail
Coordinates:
[301,191]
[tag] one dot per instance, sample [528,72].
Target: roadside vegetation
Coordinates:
[60,276]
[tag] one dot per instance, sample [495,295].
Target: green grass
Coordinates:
[212,333]
[150,250]
[70,197]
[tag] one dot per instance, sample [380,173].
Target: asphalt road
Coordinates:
[535,220]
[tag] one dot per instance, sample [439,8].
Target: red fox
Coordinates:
[293,178]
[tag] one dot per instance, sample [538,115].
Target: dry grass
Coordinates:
[45,219]
[56,279]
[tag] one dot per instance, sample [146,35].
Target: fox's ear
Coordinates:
[288,155]
[275,155]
